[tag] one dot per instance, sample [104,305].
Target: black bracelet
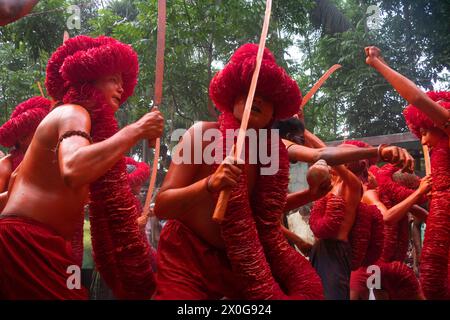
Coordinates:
[71,133]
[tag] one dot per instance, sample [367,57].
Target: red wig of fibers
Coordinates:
[139,175]
[326,217]
[274,84]
[435,264]
[373,170]
[366,236]
[121,252]
[82,59]
[416,119]
[24,120]
[359,167]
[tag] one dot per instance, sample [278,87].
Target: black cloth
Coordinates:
[332,260]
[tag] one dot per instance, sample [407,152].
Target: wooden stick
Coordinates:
[65,36]
[224,195]
[40,89]
[159,76]
[426,156]
[318,84]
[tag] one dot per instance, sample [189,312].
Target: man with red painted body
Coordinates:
[62,165]
[427,117]
[246,255]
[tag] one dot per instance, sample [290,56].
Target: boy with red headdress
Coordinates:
[17,133]
[427,117]
[78,148]
[246,255]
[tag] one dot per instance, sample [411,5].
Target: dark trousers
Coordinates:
[332,260]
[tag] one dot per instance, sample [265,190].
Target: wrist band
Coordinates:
[71,133]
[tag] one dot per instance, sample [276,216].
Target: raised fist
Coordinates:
[372,54]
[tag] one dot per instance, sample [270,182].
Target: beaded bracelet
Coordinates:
[71,133]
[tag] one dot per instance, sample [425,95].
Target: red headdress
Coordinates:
[81,60]
[139,174]
[274,84]
[358,143]
[24,120]
[374,169]
[416,119]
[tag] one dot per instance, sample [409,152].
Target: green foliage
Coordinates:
[359,102]
[202,34]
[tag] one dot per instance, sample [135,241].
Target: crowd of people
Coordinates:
[68,151]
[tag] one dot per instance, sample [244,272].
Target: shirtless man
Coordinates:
[331,253]
[427,117]
[47,196]
[12,10]
[201,259]
[336,217]
[410,92]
